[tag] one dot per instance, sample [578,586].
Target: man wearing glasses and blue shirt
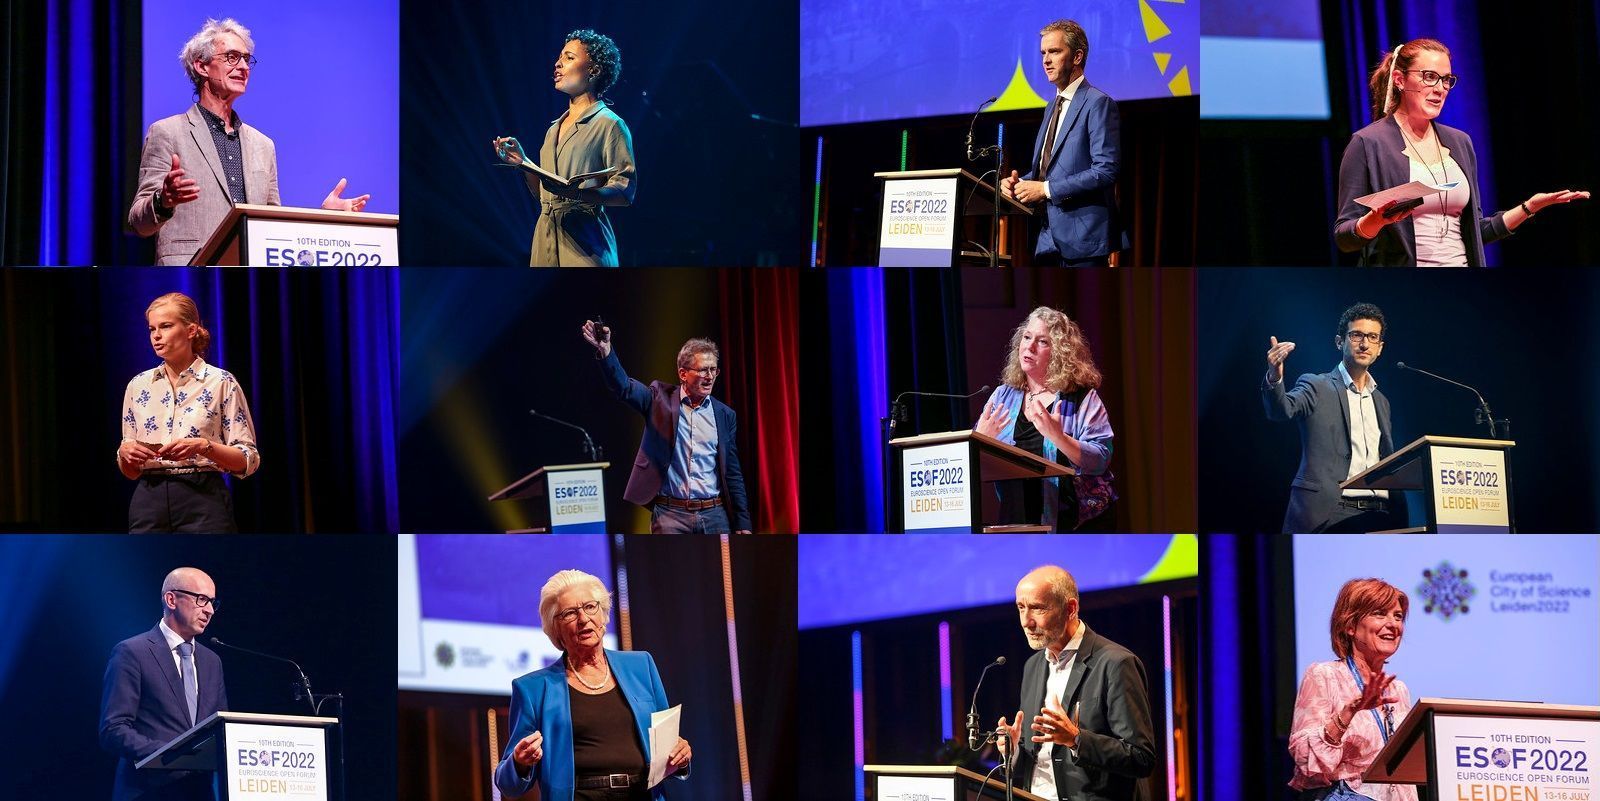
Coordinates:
[198,164]
[1344,429]
[158,685]
[687,472]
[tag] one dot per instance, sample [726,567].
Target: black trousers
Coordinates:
[186,503]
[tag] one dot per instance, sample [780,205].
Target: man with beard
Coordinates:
[160,684]
[687,472]
[1085,695]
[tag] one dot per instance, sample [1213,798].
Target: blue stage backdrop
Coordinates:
[327,90]
[1244,41]
[324,602]
[877,60]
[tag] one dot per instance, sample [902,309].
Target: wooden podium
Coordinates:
[928,218]
[575,497]
[1466,482]
[284,236]
[1482,750]
[938,477]
[252,755]
[937,783]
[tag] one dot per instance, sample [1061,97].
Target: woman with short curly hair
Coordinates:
[573,229]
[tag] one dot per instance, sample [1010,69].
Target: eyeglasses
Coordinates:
[568,615]
[1361,336]
[200,601]
[231,58]
[705,370]
[1430,78]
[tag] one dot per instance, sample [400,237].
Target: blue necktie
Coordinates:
[191,690]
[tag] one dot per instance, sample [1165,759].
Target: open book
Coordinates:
[571,182]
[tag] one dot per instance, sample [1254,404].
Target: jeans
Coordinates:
[666,519]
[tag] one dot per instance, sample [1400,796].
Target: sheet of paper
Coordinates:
[663,738]
[1402,193]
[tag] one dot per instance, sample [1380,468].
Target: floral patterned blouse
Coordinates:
[205,401]
[1319,763]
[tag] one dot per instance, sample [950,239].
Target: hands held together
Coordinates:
[1052,725]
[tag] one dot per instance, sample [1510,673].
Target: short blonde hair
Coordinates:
[561,582]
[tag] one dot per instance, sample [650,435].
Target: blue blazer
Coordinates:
[659,405]
[1376,160]
[1320,407]
[1081,214]
[142,708]
[539,702]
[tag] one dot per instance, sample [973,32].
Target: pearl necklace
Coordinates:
[601,685]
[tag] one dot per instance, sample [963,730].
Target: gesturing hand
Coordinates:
[509,150]
[529,750]
[1277,352]
[1053,725]
[1038,411]
[177,187]
[1008,733]
[591,335]
[336,203]
[1544,200]
[1375,694]
[1008,185]
[993,419]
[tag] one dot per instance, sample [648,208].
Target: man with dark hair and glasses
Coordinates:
[198,164]
[687,472]
[1344,429]
[160,684]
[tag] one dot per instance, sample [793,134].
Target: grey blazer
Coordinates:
[1375,160]
[1318,404]
[570,233]
[1116,747]
[180,236]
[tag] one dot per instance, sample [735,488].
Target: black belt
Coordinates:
[1366,504]
[610,781]
[179,471]
[691,505]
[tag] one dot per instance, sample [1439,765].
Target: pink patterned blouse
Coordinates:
[1327,686]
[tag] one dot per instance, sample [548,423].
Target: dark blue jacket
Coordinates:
[1081,219]
[1319,405]
[142,709]
[1375,160]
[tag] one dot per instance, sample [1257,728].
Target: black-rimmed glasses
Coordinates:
[1431,78]
[200,601]
[232,57]
[1361,336]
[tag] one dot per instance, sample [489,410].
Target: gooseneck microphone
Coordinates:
[304,686]
[589,448]
[897,410]
[972,711]
[1482,414]
[973,124]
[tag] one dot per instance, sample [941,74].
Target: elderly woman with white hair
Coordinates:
[198,164]
[578,727]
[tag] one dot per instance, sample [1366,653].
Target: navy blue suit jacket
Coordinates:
[539,702]
[1081,214]
[142,708]
[1376,160]
[659,405]
[1320,406]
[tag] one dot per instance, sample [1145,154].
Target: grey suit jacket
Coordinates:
[1116,746]
[1319,405]
[1375,160]
[180,236]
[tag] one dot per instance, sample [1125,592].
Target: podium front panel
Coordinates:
[275,763]
[939,489]
[1489,758]
[1471,490]
[290,243]
[577,502]
[915,788]
[918,228]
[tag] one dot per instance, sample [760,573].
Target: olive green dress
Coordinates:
[570,233]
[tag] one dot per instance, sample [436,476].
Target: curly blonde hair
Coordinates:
[1071,363]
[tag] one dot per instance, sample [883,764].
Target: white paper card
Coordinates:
[663,738]
[1402,193]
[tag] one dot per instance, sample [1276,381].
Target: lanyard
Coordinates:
[1350,662]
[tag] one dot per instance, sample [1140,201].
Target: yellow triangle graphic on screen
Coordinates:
[1162,60]
[1181,560]
[1018,93]
[1180,83]
[1154,28]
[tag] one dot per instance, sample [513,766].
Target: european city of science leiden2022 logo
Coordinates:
[1445,590]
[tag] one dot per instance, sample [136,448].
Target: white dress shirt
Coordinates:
[1365,435]
[173,640]
[1059,667]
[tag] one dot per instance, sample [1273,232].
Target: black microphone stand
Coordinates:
[590,450]
[314,700]
[999,156]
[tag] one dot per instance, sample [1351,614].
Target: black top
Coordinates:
[604,738]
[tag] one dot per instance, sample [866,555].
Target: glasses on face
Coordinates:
[711,371]
[1361,336]
[589,609]
[231,58]
[200,601]
[1431,78]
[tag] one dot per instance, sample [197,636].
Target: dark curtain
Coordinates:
[1271,187]
[316,352]
[712,118]
[72,133]
[761,312]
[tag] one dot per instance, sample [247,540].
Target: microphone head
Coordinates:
[1401,366]
[984,388]
[1000,661]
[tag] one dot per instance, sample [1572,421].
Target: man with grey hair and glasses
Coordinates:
[687,472]
[196,165]
[160,684]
